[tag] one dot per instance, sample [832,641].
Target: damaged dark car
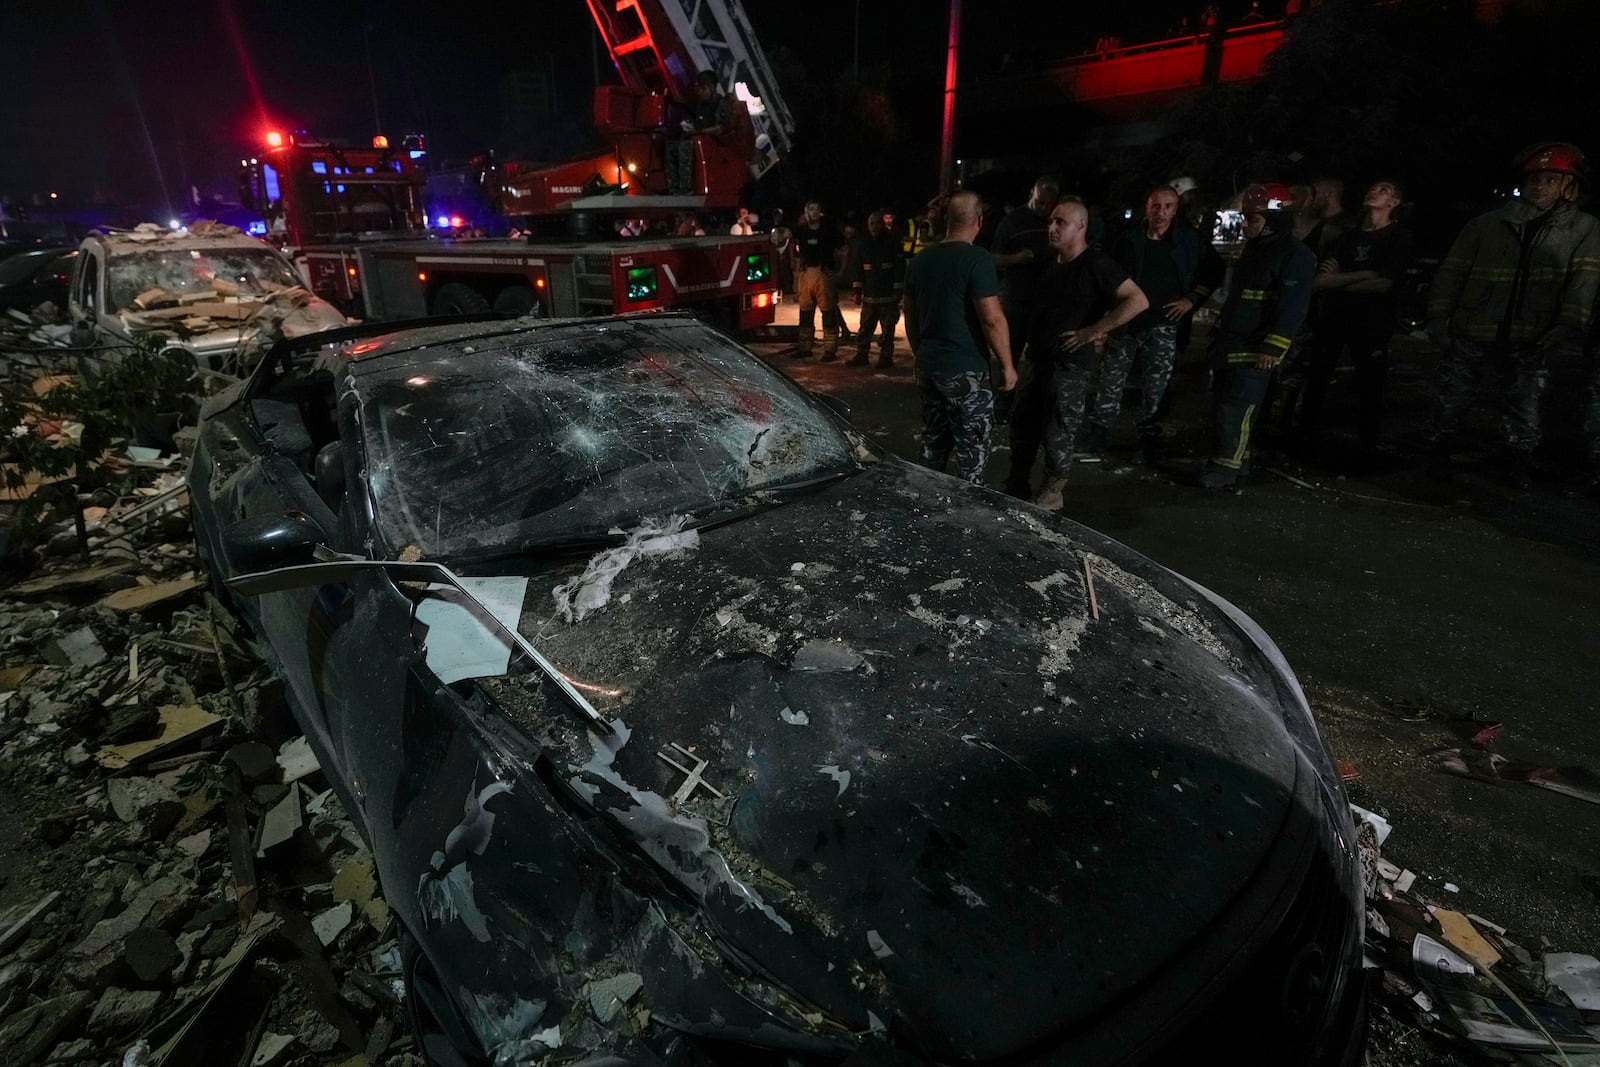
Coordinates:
[687,727]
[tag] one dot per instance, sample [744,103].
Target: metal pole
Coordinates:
[947,142]
[372,81]
[855,66]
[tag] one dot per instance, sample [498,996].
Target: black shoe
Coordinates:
[884,362]
[857,360]
[827,356]
[1216,476]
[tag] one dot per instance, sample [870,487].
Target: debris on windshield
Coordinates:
[591,590]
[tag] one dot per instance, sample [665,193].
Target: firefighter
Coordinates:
[1267,301]
[1517,288]
[818,257]
[883,274]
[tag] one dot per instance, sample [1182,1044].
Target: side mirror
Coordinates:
[833,404]
[268,542]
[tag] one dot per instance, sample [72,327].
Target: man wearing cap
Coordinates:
[1266,304]
[1517,287]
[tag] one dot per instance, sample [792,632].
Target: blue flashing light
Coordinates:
[257,229]
[269,182]
[443,221]
[319,166]
[415,154]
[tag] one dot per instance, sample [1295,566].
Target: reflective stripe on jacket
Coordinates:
[1551,295]
[1268,297]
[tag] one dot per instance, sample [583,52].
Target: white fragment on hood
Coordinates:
[794,718]
[1060,642]
[876,944]
[591,590]
[1146,624]
[501,1020]
[840,776]
[819,655]
[445,891]
[968,895]
[949,585]
[531,1049]
[858,516]
[1043,585]
[796,568]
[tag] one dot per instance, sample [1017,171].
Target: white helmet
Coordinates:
[1184,185]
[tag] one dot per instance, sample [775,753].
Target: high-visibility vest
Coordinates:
[918,235]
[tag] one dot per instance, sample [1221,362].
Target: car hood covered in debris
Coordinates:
[946,793]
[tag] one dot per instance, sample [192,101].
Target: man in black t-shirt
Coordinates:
[1358,282]
[1082,296]
[818,255]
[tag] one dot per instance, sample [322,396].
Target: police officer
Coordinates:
[1267,301]
[1517,287]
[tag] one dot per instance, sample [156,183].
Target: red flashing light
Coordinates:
[274,139]
[763,299]
[380,141]
[456,222]
[422,276]
[352,272]
[538,283]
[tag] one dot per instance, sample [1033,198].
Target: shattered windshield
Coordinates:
[171,273]
[542,436]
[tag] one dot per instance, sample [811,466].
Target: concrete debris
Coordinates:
[1463,979]
[126,938]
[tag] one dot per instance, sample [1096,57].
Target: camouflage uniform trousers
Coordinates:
[1158,345]
[1520,374]
[957,417]
[1049,409]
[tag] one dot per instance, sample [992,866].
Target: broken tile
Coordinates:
[121,1010]
[70,582]
[608,995]
[1577,975]
[79,649]
[331,923]
[279,824]
[178,724]
[270,1049]
[297,759]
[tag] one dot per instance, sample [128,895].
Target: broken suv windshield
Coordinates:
[180,271]
[516,441]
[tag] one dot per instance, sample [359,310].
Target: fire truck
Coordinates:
[354,218]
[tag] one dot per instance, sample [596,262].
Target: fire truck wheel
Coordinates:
[518,300]
[454,298]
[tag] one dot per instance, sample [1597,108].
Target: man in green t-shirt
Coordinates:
[953,316]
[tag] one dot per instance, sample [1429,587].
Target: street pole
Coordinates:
[855,65]
[372,81]
[947,142]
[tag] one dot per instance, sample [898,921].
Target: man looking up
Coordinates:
[953,318]
[1358,279]
[1176,269]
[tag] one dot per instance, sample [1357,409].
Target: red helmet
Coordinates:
[1266,196]
[1559,156]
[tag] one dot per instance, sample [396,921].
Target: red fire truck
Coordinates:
[354,220]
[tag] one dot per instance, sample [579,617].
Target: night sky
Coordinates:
[131,102]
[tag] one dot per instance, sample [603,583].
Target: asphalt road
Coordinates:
[1413,612]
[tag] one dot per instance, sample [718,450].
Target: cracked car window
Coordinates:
[525,441]
[178,271]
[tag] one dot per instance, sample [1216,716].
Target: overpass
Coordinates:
[1134,82]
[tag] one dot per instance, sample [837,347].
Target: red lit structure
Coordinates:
[1141,79]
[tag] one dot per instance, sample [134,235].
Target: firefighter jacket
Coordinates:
[1267,299]
[1546,288]
[918,234]
[883,268]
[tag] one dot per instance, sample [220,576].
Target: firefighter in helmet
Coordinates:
[1517,288]
[1267,301]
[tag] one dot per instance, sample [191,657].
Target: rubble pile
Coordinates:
[1463,981]
[183,887]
